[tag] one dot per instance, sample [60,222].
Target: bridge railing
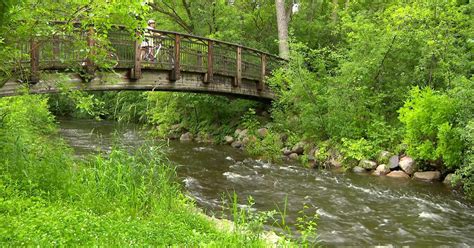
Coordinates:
[153,50]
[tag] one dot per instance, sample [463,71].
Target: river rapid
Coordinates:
[354,210]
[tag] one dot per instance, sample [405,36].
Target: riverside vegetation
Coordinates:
[363,77]
[379,76]
[49,198]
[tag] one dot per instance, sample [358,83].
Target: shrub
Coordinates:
[428,117]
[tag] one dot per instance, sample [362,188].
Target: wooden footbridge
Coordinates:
[157,61]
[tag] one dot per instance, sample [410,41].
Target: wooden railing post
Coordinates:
[199,60]
[238,76]
[210,61]
[34,60]
[90,45]
[136,71]
[263,65]
[175,73]
[56,51]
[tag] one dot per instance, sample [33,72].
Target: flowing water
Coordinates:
[353,209]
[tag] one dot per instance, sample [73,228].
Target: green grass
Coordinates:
[122,199]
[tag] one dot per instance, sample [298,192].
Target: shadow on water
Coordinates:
[352,209]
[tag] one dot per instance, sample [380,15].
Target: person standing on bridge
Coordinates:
[151,44]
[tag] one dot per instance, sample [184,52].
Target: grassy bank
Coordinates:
[48,198]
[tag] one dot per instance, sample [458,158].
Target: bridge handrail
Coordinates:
[181,52]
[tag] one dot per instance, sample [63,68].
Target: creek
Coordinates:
[353,209]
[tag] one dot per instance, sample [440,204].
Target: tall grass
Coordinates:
[122,199]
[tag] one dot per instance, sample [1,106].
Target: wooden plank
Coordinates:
[34,61]
[175,73]
[209,78]
[238,76]
[263,65]
[136,71]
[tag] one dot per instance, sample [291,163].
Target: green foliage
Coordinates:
[249,120]
[268,148]
[465,175]
[356,150]
[196,113]
[428,117]
[307,226]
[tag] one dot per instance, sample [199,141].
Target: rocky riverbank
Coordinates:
[386,163]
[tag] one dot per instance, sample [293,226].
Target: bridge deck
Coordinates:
[159,60]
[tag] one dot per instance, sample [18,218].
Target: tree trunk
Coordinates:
[335,8]
[282,22]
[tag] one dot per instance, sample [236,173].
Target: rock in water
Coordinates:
[358,169]
[398,174]
[407,164]
[393,162]
[382,170]
[367,164]
[186,137]
[427,175]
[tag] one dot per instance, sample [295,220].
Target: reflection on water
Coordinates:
[352,209]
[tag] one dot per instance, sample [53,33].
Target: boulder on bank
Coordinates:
[393,162]
[298,148]
[367,164]
[358,169]
[243,134]
[448,179]
[228,140]
[407,164]
[237,132]
[236,144]
[262,132]
[427,175]
[186,137]
[293,156]
[398,174]
[382,170]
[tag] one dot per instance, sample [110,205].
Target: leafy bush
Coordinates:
[356,150]
[268,148]
[465,174]
[428,118]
